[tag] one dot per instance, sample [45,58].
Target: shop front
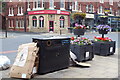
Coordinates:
[89,20]
[49,21]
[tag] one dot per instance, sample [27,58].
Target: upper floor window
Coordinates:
[76,5]
[10,0]
[38,3]
[100,9]
[51,3]
[80,8]
[11,13]
[86,8]
[101,1]
[91,8]
[111,2]
[62,4]
[28,4]
[73,5]
[20,10]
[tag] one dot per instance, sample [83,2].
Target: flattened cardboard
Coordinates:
[25,71]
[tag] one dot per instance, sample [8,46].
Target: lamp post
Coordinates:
[6,28]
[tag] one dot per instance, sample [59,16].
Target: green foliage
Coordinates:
[78,14]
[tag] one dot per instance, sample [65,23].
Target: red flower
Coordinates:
[72,38]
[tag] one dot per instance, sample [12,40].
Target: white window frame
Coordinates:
[17,24]
[101,1]
[76,5]
[11,11]
[73,6]
[111,2]
[9,23]
[12,23]
[90,9]
[80,8]
[87,8]
[20,8]
[28,3]
[22,23]
[10,0]
[101,10]
[62,5]
[51,4]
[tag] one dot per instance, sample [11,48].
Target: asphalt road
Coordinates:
[11,44]
[102,67]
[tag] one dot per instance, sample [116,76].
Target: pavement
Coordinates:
[101,66]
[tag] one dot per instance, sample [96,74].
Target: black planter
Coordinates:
[79,31]
[104,48]
[102,31]
[82,52]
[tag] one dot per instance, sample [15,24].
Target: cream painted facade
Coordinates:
[47,18]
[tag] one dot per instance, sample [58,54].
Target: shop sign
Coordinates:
[89,15]
[48,12]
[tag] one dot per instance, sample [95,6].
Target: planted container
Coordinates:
[104,48]
[79,31]
[82,52]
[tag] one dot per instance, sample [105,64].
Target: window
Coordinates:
[101,1]
[16,23]
[11,13]
[28,9]
[80,8]
[111,11]
[12,22]
[86,8]
[101,9]
[62,22]
[73,5]
[76,5]
[111,2]
[34,19]
[62,4]
[91,8]
[41,21]
[10,0]
[22,23]
[9,23]
[51,3]
[38,3]
[20,10]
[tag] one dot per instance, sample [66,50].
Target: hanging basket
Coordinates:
[78,15]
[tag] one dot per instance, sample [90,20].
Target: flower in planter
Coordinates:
[104,27]
[77,26]
[106,39]
[81,41]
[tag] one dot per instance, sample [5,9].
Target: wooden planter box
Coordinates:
[104,48]
[79,31]
[82,52]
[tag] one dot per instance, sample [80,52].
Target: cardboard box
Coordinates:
[24,65]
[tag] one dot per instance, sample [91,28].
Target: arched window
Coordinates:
[62,22]
[41,21]
[34,19]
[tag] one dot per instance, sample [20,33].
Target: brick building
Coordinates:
[40,16]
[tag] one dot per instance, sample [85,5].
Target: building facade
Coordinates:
[40,16]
